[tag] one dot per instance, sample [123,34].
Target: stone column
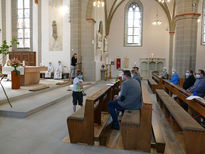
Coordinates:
[171,51]
[186,36]
[39,33]
[3,31]
[75,19]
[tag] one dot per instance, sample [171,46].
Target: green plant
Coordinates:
[4,50]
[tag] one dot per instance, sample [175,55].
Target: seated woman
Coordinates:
[190,80]
[174,78]
[50,71]
[58,71]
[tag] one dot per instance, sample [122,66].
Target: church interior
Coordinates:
[67,67]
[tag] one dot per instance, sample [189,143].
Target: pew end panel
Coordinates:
[137,123]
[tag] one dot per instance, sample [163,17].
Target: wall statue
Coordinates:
[55,32]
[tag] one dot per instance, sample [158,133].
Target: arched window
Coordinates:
[133,23]
[203,24]
[23,24]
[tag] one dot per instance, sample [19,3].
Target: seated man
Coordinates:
[174,78]
[59,71]
[50,70]
[164,74]
[137,70]
[128,99]
[136,76]
[199,86]
[190,80]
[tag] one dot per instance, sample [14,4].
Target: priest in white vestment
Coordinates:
[50,71]
[58,71]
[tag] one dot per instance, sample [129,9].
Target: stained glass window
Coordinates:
[23,24]
[133,25]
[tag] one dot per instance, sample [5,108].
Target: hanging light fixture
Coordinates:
[98,3]
[162,1]
[156,21]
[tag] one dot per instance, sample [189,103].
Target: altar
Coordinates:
[29,75]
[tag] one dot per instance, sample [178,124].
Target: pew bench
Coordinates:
[159,142]
[193,133]
[153,85]
[135,126]
[87,125]
[158,80]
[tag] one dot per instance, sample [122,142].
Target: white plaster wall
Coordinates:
[0,31]
[200,64]
[99,15]
[35,29]
[8,22]
[155,38]
[54,56]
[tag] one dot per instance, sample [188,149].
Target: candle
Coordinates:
[152,55]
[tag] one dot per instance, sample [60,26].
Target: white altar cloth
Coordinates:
[9,69]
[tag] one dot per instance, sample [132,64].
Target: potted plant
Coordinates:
[15,74]
[4,50]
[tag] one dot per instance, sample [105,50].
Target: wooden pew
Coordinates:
[136,125]
[153,85]
[87,124]
[157,79]
[159,142]
[196,105]
[193,133]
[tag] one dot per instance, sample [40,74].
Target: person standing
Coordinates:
[73,65]
[77,90]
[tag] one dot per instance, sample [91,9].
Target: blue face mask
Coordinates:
[80,76]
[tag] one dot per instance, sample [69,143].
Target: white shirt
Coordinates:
[76,86]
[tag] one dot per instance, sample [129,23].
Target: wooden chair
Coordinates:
[193,133]
[136,125]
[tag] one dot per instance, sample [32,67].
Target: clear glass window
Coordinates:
[23,24]
[133,31]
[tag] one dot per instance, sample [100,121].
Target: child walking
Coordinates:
[77,90]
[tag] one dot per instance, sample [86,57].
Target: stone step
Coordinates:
[29,94]
[31,104]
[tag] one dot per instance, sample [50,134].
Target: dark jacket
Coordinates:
[189,82]
[73,61]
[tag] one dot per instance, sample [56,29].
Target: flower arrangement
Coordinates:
[14,63]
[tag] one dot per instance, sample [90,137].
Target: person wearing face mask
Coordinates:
[136,76]
[58,71]
[50,70]
[190,80]
[77,90]
[199,86]
[174,78]
[164,74]
[128,99]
